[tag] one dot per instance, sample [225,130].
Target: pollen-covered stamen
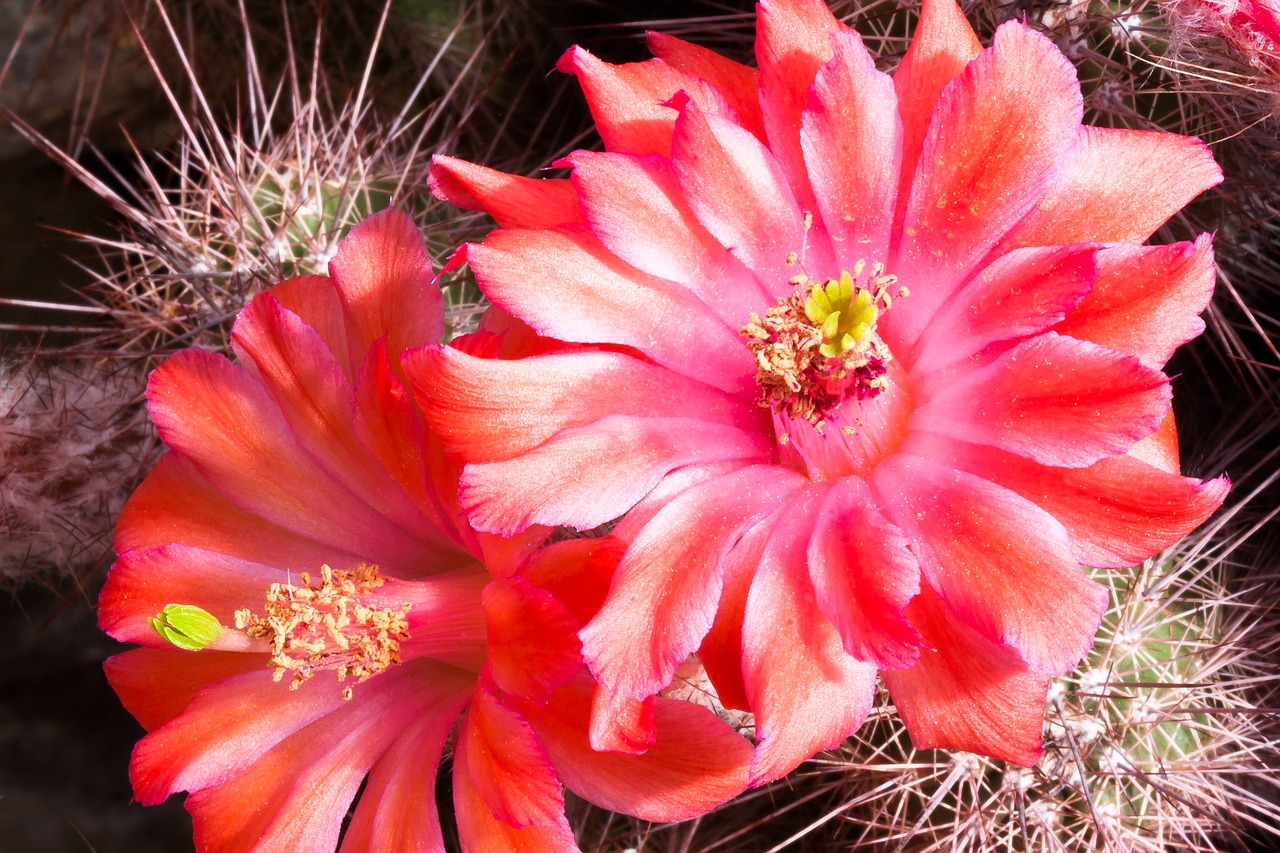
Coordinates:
[818,347]
[328,627]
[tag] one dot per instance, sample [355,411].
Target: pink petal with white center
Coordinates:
[155,685]
[1119,511]
[738,83]
[507,763]
[296,795]
[619,724]
[996,140]
[532,639]
[863,575]
[1017,295]
[247,450]
[1053,399]
[388,289]
[1147,299]
[176,504]
[637,210]
[585,476]
[491,409]
[397,809]
[696,763]
[630,102]
[721,650]
[942,46]
[967,693]
[478,829]
[852,141]
[611,303]
[1118,186]
[664,594]
[225,729]
[807,693]
[1003,565]
[513,201]
[739,193]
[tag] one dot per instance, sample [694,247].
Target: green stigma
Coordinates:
[845,318]
[186,626]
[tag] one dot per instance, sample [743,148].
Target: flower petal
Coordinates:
[851,136]
[532,639]
[1118,186]
[1147,299]
[1002,565]
[696,763]
[993,147]
[966,692]
[154,685]
[721,649]
[807,693]
[513,201]
[863,575]
[664,594]
[1053,399]
[585,476]
[576,571]
[619,724]
[738,83]
[585,294]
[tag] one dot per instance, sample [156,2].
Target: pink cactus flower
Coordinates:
[868,365]
[1251,27]
[313,608]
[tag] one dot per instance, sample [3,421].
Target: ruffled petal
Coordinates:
[851,136]
[807,693]
[1119,511]
[695,764]
[384,278]
[1001,564]
[513,201]
[664,594]
[1147,299]
[489,409]
[996,140]
[397,809]
[532,639]
[585,476]
[636,209]
[585,294]
[1019,294]
[154,685]
[863,575]
[1053,399]
[738,83]
[966,692]
[739,193]
[1118,186]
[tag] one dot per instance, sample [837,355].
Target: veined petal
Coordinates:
[1147,299]
[738,83]
[994,144]
[863,575]
[492,409]
[513,201]
[585,476]
[664,594]
[1053,399]
[532,639]
[1001,564]
[966,692]
[696,763]
[1118,186]
[851,136]
[611,303]
[807,693]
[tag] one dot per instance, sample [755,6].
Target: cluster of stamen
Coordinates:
[817,347]
[328,627]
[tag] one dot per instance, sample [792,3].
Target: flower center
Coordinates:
[329,626]
[818,347]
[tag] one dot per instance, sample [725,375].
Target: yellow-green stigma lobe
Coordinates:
[818,347]
[328,627]
[186,626]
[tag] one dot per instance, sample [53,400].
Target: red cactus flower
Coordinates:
[870,364]
[314,610]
